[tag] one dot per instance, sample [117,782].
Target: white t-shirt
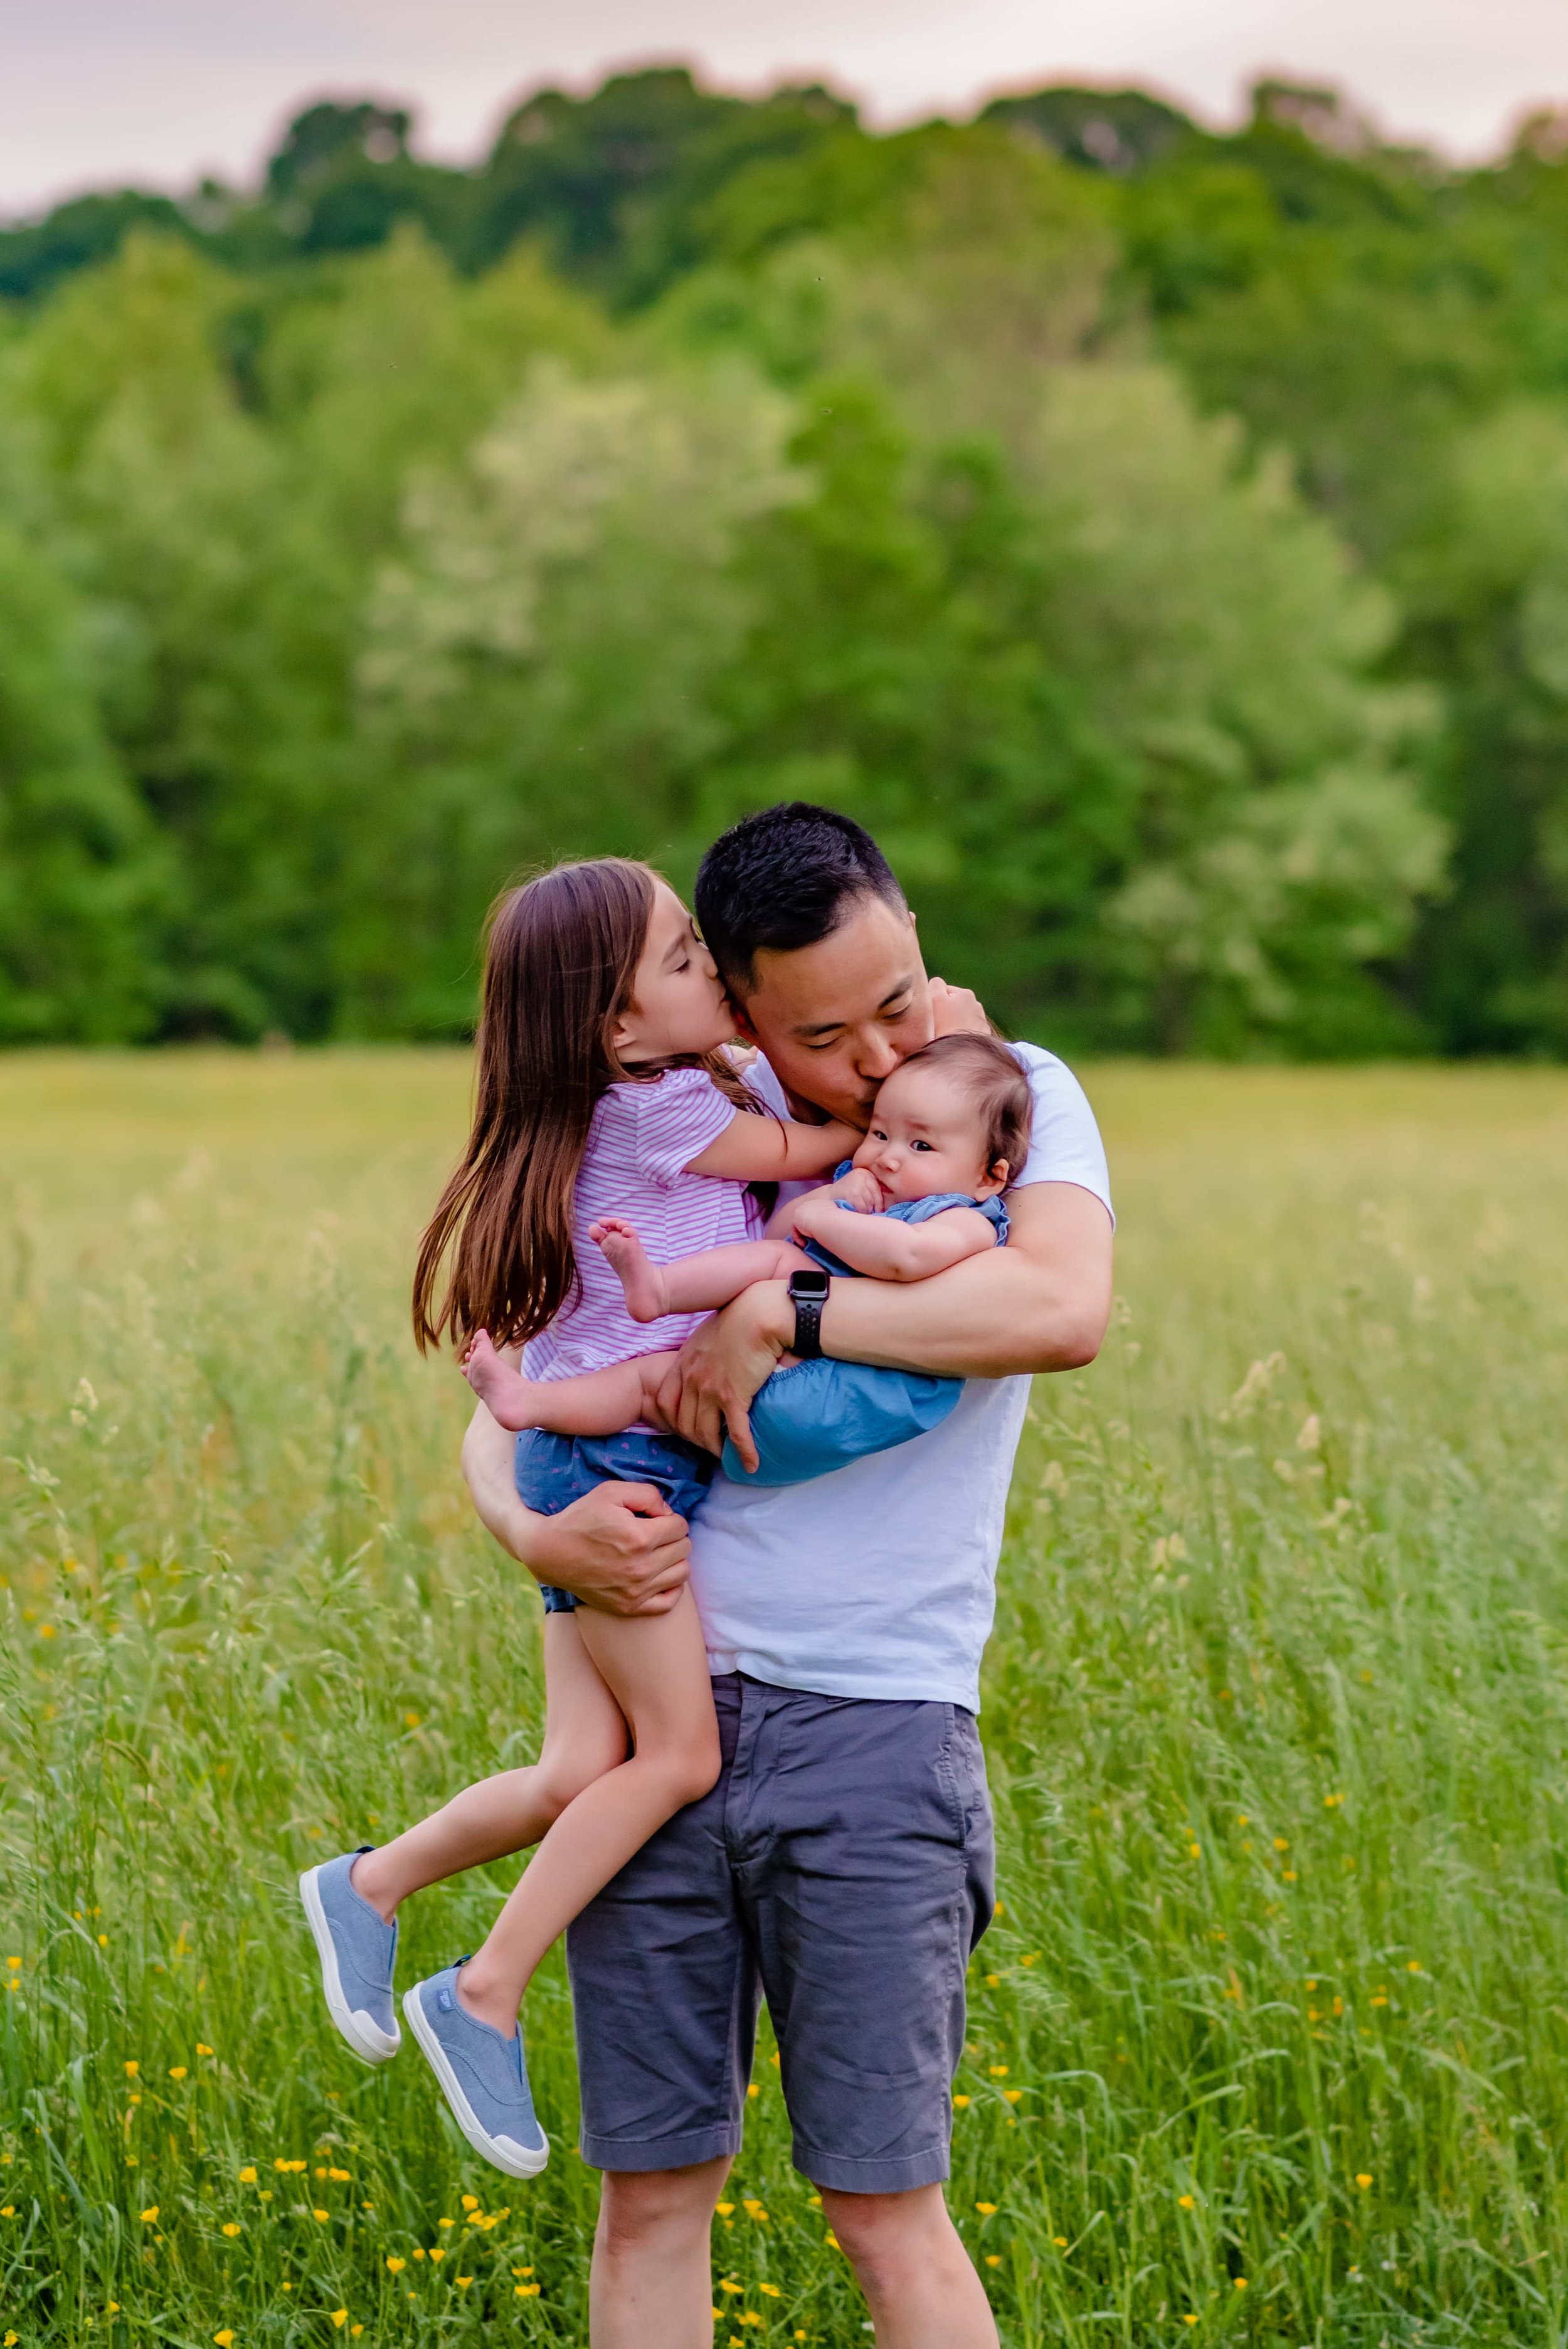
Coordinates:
[879,1581]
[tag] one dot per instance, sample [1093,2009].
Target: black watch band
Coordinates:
[808,1294]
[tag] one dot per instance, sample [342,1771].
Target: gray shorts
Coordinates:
[842,1869]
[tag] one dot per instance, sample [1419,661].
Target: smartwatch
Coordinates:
[808,1294]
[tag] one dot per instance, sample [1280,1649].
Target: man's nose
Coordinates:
[875,1056]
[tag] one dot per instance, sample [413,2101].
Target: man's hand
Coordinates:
[620,1548]
[957,1011]
[713,1380]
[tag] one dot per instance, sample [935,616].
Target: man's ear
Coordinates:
[743,1026]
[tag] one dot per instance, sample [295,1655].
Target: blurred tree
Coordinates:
[81,873]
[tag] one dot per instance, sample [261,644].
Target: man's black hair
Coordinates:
[784,878]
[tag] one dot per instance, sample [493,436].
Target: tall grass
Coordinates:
[1268,2041]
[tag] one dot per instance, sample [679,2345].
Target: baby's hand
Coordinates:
[860,1190]
[816,1215]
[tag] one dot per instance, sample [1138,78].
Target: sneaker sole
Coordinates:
[515,2160]
[364,2036]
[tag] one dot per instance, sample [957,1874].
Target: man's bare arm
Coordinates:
[1041,1303]
[620,1548]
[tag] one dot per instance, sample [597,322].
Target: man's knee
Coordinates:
[637,2207]
[882,2234]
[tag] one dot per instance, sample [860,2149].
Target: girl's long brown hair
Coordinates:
[561,955]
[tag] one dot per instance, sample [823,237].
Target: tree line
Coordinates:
[1161,539]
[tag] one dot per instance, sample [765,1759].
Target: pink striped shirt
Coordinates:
[642,1140]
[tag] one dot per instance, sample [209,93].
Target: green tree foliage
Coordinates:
[1161,539]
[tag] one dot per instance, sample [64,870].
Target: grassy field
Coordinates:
[1268,2043]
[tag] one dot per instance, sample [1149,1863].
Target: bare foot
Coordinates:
[507,1396]
[638,1274]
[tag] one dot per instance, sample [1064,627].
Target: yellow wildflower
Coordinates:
[340,2317]
[1012,2096]
[231,2227]
[986,2210]
[993,2258]
[131,2069]
[148,2215]
[177,2071]
[1186,2201]
[440,2222]
[754,2209]
[960,2102]
[201,2049]
[463,2282]
[1364,2179]
[342,2176]
[723,2209]
[998,2071]
[771,2289]
[248,2175]
[728,2283]
[224,2338]
[470,2201]
[754,2090]
[418,2253]
[435,2252]
[1060,2241]
[395,2266]
[1240,2283]
[526,2291]
[321,2217]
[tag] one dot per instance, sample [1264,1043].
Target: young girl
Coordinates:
[603,1084]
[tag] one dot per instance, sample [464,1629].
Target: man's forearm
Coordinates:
[1041,1305]
[488,1454]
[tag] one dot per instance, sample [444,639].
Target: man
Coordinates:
[842,1863]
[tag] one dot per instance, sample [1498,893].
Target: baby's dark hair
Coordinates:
[996,1085]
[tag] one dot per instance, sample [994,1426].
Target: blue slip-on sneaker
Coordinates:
[358,1950]
[482,2076]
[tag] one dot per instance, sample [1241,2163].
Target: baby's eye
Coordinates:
[920,1145]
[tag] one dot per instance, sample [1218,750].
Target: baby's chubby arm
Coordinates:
[887,1250]
[774,1150]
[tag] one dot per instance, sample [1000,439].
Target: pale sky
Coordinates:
[97,92]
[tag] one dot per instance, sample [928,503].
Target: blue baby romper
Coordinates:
[819,1416]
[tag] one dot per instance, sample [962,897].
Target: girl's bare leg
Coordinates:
[692,1284]
[585,1736]
[655,1667]
[599,1402]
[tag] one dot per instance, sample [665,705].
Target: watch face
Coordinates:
[808,1284]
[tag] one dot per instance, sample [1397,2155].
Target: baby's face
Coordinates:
[924,1138]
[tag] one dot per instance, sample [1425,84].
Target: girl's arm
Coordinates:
[774,1150]
[889,1250]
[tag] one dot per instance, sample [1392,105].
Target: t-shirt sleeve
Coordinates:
[1064,1140]
[677,1118]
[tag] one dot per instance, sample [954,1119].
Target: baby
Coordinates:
[949,1127]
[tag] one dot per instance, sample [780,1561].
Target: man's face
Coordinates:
[837,1018]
